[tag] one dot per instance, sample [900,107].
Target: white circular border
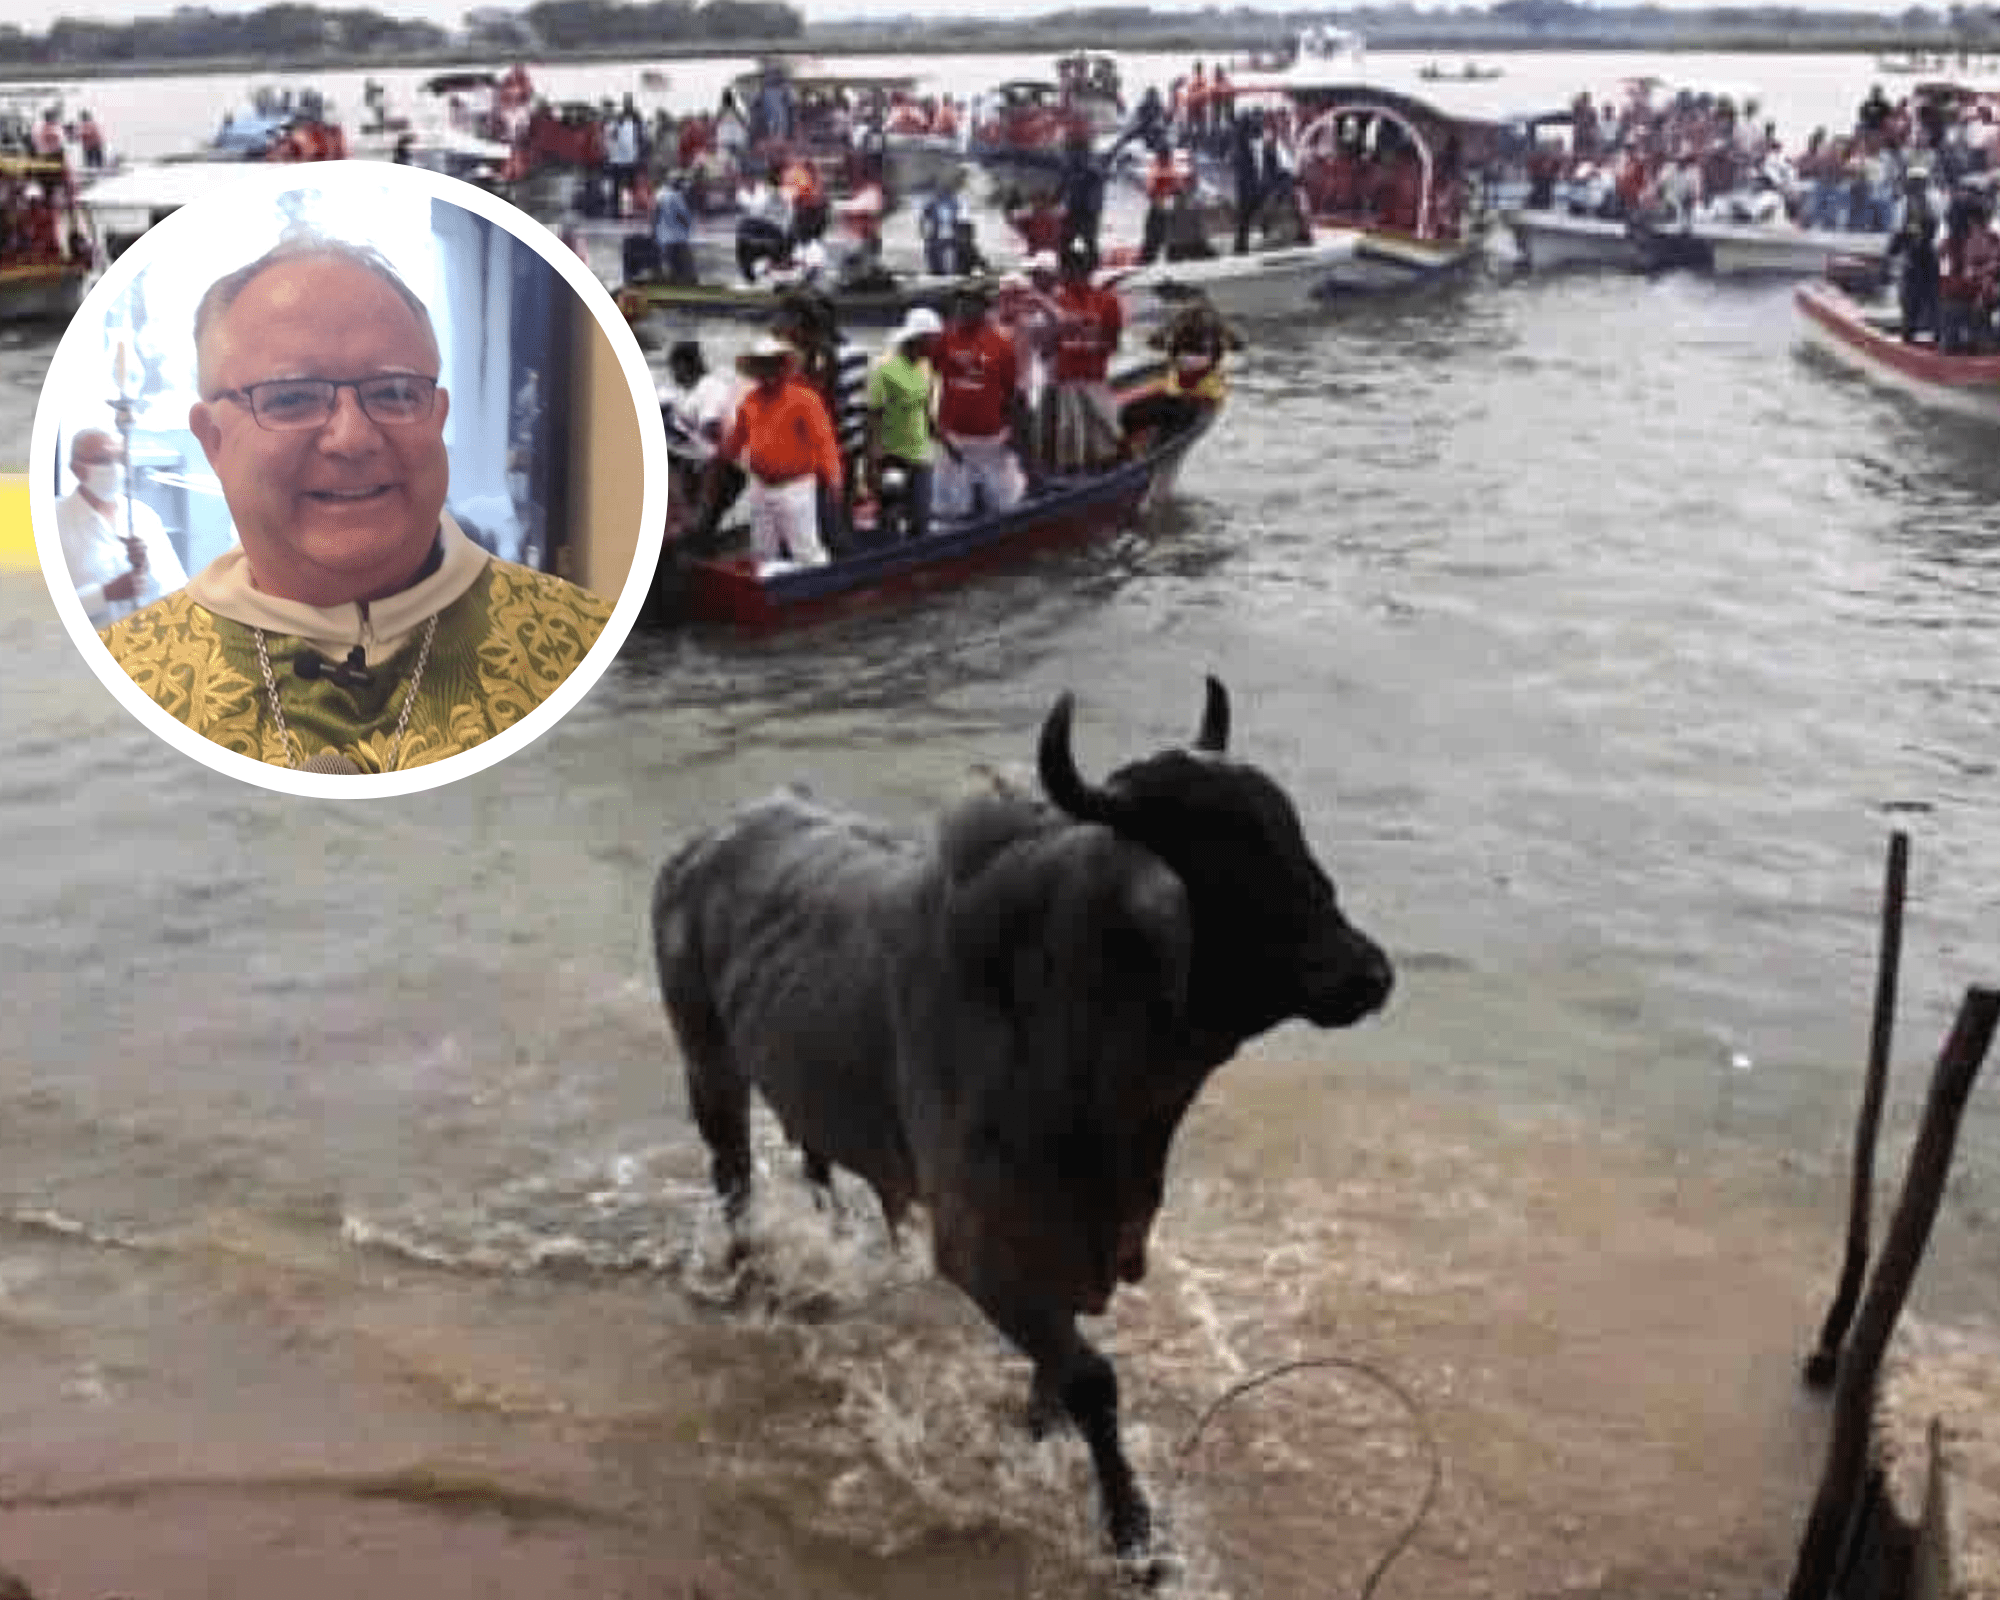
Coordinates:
[261,182]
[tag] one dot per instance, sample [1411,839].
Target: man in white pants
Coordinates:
[784,439]
[981,421]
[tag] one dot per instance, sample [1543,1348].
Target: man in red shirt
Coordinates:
[981,421]
[1087,435]
[784,438]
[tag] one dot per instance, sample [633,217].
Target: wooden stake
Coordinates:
[1821,1363]
[1902,1251]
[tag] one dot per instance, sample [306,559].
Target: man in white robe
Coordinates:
[115,571]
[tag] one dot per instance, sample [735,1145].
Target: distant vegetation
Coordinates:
[300,36]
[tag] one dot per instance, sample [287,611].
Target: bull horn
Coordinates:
[1060,778]
[1214,734]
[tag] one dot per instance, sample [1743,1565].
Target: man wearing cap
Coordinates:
[899,423]
[1087,435]
[980,417]
[115,571]
[354,627]
[784,439]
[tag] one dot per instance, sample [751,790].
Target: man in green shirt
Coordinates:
[899,427]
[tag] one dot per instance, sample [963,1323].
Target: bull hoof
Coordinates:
[1132,1532]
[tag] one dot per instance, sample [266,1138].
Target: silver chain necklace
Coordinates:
[332,760]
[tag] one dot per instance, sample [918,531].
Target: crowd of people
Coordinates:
[40,222]
[1919,171]
[961,416]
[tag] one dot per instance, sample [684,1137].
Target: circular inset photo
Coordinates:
[348,480]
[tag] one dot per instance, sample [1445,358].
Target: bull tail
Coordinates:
[718,1093]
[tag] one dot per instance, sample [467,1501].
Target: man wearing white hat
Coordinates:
[784,439]
[900,390]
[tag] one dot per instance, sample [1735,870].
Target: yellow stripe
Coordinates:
[17,534]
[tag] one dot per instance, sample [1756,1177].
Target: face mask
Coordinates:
[105,479]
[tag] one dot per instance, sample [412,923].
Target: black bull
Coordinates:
[1007,1023]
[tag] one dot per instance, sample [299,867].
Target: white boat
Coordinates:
[1551,240]
[1320,58]
[126,203]
[1777,249]
[1279,282]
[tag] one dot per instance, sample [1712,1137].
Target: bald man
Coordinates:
[116,570]
[354,628]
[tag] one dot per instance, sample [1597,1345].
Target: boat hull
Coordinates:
[1385,262]
[48,292]
[1261,284]
[732,590]
[1741,250]
[873,308]
[1553,241]
[1842,327]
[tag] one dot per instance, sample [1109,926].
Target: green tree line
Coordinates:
[294,32]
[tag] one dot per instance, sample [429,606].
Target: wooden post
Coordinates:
[1821,1363]
[1902,1251]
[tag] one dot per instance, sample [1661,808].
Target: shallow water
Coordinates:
[1602,636]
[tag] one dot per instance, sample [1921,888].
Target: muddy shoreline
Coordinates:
[1604,1346]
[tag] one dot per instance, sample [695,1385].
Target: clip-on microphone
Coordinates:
[352,673]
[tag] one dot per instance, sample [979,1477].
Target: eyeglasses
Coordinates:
[286,404]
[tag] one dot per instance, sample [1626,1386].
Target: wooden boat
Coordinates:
[731,589]
[870,307]
[47,261]
[37,291]
[1866,340]
[1090,87]
[1399,174]
[1022,128]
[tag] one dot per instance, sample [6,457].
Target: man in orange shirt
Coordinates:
[784,438]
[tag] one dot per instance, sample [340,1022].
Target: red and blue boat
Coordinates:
[734,589]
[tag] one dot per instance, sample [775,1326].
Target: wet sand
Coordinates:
[1603,1343]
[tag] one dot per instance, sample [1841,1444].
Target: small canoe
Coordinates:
[733,589]
[1867,342]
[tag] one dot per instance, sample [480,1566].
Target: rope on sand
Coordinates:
[1364,1369]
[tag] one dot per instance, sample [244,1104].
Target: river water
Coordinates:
[1602,635]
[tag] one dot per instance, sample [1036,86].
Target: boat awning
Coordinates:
[161,186]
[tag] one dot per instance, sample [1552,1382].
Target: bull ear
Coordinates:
[1060,778]
[1214,734]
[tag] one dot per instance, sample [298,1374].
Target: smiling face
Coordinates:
[346,511]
